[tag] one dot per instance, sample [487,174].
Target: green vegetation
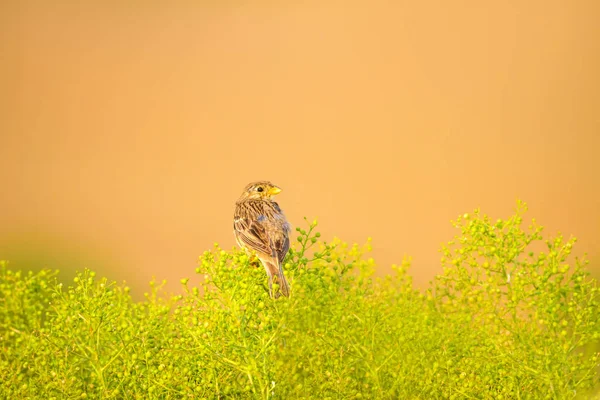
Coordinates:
[507,319]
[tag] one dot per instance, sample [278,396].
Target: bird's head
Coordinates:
[264,190]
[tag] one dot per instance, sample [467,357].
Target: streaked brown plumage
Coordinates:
[260,226]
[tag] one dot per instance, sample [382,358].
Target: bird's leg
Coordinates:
[271,286]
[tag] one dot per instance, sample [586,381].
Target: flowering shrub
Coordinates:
[503,321]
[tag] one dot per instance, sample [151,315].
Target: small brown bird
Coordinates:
[259,225]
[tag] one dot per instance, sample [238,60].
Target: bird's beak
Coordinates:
[274,190]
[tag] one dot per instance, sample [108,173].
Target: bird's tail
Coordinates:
[275,272]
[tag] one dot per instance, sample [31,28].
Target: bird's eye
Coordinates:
[259,189]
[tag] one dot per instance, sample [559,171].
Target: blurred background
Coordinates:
[128,129]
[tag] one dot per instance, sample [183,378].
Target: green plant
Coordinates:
[503,321]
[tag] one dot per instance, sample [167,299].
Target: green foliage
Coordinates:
[505,320]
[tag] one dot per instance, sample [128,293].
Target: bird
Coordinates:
[260,226]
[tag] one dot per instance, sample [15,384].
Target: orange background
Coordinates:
[129,129]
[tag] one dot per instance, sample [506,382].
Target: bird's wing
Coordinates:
[280,238]
[281,245]
[252,234]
